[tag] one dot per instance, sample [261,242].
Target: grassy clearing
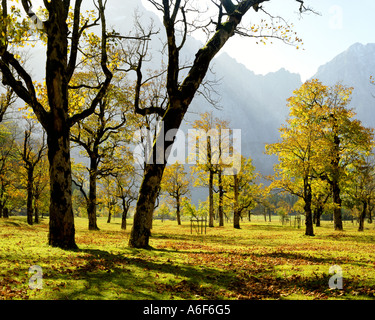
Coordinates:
[260,261]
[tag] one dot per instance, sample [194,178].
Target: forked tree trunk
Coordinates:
[153,174]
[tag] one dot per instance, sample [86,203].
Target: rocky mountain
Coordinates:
[353,68]
[256,104]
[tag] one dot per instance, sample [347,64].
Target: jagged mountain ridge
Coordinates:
[353,68]
[256,104]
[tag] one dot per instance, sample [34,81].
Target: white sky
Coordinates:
[341,24]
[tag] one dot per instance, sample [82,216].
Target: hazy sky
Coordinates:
[341,24]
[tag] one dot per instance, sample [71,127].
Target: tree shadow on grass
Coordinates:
[138,274]
[119,276]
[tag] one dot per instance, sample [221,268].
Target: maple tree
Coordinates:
[9,168]
[320,141]
[181,87]
[31,154]
[61,31]
[360,192]
[99,135]
[126,181]
[176,184]
[242,190]
[347,142]
[211,139]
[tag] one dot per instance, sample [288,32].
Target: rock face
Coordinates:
[353,68]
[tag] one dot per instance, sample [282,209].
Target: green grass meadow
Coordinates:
[262,260]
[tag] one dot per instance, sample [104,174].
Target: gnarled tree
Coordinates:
[62,32]
[182,87]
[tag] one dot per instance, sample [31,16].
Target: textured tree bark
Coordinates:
[61,225]
[61,232]
[141,231]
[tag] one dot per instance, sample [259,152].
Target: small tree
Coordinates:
[32,153]
[242,190]
[176,184]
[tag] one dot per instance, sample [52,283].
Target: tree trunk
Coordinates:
[308,213]
[211,200]
[337,215]
[317,214]
[153,173]
[178,210]
[236,213]
[1,210]
[123,219]
[221,198]
[265,214]
[30,196]
[57,125]
[141,230]
[91,205]
[369,210]
[36,214]
[109,213]
[6,213]
[362,216]
[61,223]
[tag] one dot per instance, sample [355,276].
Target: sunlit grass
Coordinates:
[262,260]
